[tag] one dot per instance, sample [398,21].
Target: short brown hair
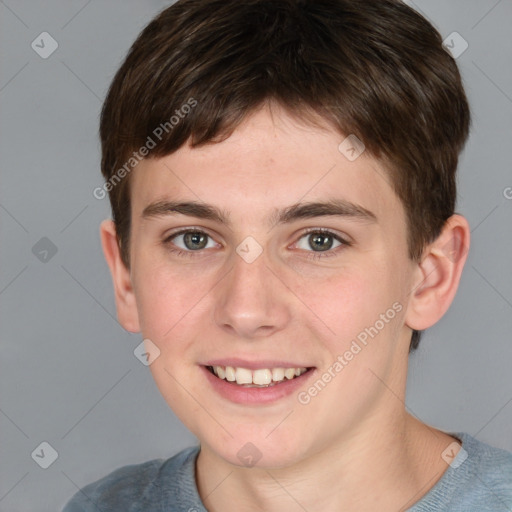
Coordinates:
[372,68]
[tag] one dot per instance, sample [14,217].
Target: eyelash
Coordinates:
[313,255]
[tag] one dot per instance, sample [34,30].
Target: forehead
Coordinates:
[271,161]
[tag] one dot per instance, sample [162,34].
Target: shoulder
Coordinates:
[489,469]
[479,479]
[136,487]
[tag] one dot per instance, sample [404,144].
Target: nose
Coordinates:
[251,301]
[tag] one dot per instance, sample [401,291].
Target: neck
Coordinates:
[388,468]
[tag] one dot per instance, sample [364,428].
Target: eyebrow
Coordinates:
[306,210]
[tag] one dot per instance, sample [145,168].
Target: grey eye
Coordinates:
[318,241]
[192,240]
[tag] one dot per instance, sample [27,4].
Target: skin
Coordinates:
[353,436]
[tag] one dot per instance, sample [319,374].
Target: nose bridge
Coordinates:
[249,302]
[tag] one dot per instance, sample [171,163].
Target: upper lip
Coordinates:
[255,365]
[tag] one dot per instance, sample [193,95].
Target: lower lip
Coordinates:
[246,395]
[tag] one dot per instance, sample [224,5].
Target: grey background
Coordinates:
[68,374]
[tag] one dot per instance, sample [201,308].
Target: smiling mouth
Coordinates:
[261,378]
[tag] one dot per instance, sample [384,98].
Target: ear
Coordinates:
[437,277]
[123,289]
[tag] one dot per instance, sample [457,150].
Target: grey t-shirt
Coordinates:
[479,479]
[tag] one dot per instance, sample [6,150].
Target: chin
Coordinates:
[258,449]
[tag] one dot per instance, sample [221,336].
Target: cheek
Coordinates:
[363,310]
[168,301]
[365,314]
[349,301]
[170,310]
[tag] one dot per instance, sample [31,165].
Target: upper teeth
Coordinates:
[260,377]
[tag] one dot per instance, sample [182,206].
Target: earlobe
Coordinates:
[123,289]
[438,275]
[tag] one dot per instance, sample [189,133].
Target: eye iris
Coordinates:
[317,240]
[195,240]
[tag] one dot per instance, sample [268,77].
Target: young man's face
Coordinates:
[300,303]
